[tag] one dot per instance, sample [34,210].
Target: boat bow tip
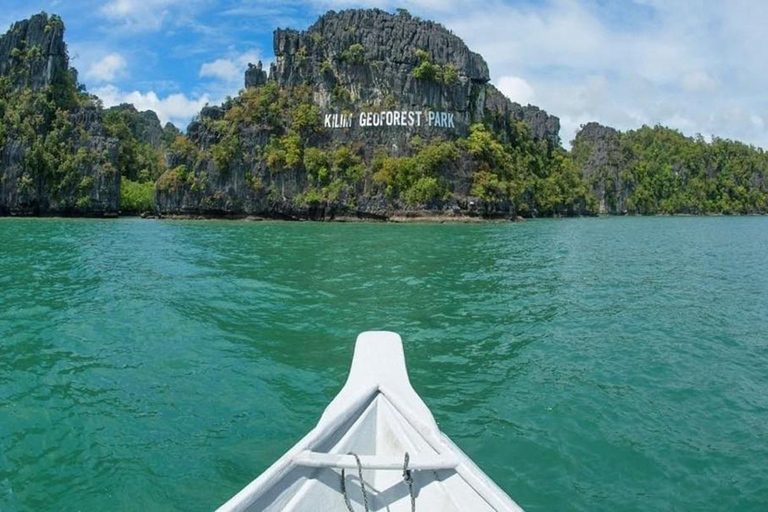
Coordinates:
[378,366]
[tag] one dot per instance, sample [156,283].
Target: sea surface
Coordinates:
[612,364]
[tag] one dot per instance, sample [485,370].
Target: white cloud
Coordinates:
[176,108]
[139,15]
[108,68]
[516,89]
[695,65]
[230,69]
[699,81]
[222,69]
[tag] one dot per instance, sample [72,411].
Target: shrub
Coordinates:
[175,178]
[355,54]
[306,117]
[450,75]
[427,71]
[137,197]
[425,189]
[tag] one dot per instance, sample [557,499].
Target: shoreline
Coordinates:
[396,218]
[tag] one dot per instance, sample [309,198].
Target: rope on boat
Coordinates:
[362,485]
[407,478]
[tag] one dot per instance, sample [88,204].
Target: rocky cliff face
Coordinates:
[384,61]
[380,84]
[502,113]
[145,126]
[55,157]
[82,180]
[599,153]
[33,53]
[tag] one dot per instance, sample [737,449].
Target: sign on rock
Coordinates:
[390,118]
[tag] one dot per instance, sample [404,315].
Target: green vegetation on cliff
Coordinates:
[270,150]
[660,171]
[426,70]
[137,197]
[54,159]
[273,138]
[138,160]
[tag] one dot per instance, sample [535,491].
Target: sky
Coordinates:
[694,65]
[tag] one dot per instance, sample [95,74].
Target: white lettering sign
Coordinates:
[391,118]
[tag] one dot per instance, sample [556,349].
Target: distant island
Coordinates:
[366,114]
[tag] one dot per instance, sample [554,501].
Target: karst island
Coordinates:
[366,114]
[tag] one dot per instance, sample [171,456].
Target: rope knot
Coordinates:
[407,478]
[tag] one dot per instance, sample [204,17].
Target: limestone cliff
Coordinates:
[144,126]
[396,62]
[33,53]
[312,137]
[599,153]
[55,157]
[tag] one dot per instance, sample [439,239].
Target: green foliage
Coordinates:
[306,118]
[347,164]
[275,108]
[389,102]
[354,55]
[488,187]
[427,71]
[657,170]
[258,106]
[136,160]
[225,152]
[486,148]
[425,190]
[422,55]
[185,148]
[61,164]
[294,150]
[326,68]
[450,75]
[417,179]
[301,56]
[341,95]
[86,184]
[137,197]
[174,179]
[83,202]
[58,165]
[318,165]
[54,23]
[274,154]
[525,174]
[170,132]
[333,173]
[255,182]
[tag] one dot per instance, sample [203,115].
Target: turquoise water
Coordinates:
[586,364]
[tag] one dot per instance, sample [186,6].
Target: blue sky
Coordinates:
[695,65]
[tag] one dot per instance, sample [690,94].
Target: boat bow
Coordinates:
[375,420]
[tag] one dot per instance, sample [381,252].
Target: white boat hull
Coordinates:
[379,418]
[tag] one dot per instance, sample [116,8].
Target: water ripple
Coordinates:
[597,364]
